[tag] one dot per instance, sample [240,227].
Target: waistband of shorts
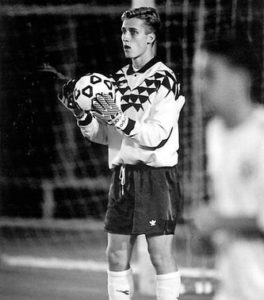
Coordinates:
[141,166]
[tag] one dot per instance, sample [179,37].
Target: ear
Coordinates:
[151,38]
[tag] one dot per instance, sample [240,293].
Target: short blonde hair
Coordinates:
[148,14]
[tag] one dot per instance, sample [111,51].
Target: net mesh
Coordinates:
[43,154]
[47,170]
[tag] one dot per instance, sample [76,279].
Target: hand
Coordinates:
[66,98]
[108,111]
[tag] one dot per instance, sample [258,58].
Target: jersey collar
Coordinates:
[148,65]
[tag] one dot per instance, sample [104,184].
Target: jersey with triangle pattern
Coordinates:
[150,99]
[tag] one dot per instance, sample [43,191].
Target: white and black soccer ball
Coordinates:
[89,86]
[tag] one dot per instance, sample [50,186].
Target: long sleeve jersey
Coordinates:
[151,101]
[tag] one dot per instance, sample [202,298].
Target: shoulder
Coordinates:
[167,78]
[164,71]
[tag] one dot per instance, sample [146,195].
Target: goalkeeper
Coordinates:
[140,127]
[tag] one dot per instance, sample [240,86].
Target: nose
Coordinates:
[125,36]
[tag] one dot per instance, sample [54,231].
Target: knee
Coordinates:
[117,259]
[163,262]
[157,259]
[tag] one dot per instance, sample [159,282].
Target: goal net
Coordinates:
[51,179]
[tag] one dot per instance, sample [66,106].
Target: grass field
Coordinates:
[55,265]
[31,283]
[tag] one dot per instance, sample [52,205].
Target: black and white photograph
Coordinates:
[132,150]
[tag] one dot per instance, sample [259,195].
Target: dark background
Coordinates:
[40,141]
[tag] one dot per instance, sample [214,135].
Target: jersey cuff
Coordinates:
[85,120]
[128,126]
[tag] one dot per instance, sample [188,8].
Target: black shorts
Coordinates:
[143,200]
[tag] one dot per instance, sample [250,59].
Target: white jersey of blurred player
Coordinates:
[224,78]
[237,168]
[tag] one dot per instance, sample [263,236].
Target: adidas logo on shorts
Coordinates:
[152,222]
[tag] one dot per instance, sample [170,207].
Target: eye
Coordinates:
[133,31]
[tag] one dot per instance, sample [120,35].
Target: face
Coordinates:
[135,38]
[215,82]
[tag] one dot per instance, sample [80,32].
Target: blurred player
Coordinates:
[140,127]
[225,74]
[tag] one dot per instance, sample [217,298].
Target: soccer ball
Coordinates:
[89,86]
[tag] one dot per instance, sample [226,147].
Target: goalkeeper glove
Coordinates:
[66,98]
[109,112]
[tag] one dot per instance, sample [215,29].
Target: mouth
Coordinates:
[126,47]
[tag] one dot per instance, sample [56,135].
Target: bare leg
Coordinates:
[168,277]
[120,279]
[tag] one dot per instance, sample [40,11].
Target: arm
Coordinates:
[157,127]
[94,129]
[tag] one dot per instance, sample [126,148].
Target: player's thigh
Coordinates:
[160,244]
[161,253]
